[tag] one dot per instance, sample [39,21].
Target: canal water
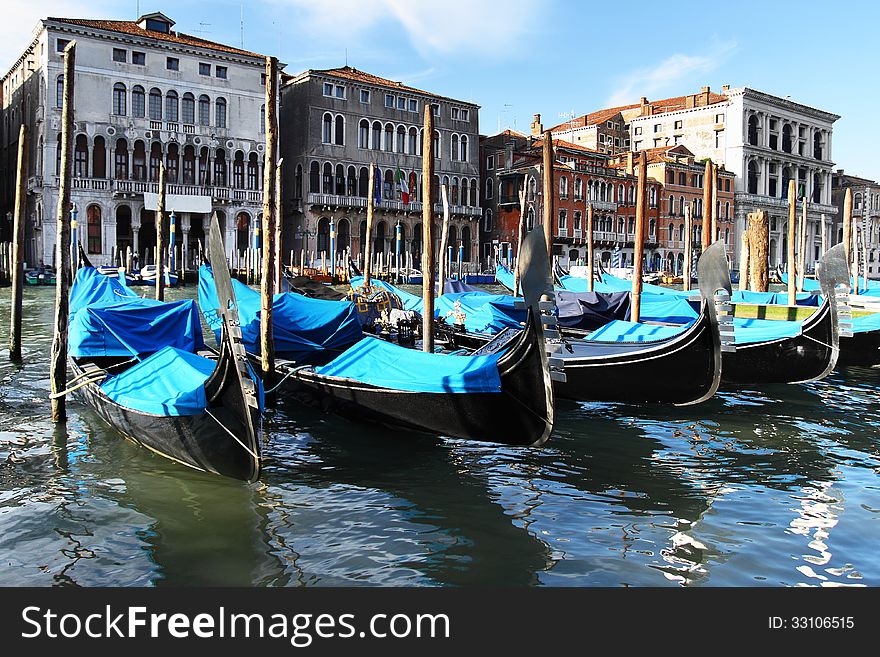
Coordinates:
[776,486]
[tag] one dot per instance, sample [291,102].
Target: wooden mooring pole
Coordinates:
[707,205]
[270,189]
[160,233]
[639,238]
[847,225]
[687,270]
[427,231]
[759,247]
[368,246]
[590,247]
[58,362]
[744,261]
[549,195]
[520,234]
[802,247]
[792,237]
[18,245]
[444,241]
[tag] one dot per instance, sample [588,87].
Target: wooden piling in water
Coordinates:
[687,269]
[824,235]
[17,251]
[707,205]
[444,241]
[267,278]
[792,236]
[427,231]
[58,362]
[549,193]
[639,238]
[368,247]
[714,219]
[590,247]
[759,247]
[802,247]
[847,225]
[279,220]
[160,230]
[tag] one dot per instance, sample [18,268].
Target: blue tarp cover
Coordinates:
[170,382]
[409,301]
[303,328]
[619,284]
[107,319]
[484,313]
[503,276]
[866,323]
[812,285]
[622,331]
[748,331]
[774,298]
[387,365]
[91,287]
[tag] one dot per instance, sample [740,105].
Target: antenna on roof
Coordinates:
[241,27]
[346,56]
[203,31]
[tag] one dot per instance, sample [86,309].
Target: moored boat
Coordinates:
[141,366]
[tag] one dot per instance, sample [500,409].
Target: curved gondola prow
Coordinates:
[713,276]
[82,260]
[537,289]
[834,279]
[231,380]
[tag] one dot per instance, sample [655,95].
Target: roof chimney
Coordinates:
[725,89]
[508,154]
[629,162]
[537,126]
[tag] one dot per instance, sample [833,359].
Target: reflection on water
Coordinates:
[773,486]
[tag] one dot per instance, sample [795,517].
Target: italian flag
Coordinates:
[401,183]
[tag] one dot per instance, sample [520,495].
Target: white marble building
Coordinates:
[144,94]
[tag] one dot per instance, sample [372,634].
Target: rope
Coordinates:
[56,395]
[234,437]
[827,346]
[284,378]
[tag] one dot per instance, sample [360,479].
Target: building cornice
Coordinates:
[790,105]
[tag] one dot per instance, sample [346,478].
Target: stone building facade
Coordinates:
[144,94]
[336,123]
[865,212]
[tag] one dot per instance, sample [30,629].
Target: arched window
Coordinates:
[727,210]
[171,107]
[681,205]
[263,118]
[464,148]
[340,180]
[93,215]
[437,144]
[351,185]
[297,181]
[81,157]
[188,108]
[621,195]
[323,242]
[489,188]
[753,179]
[376,136]
[238,170]
[343,235]
[139,161]
[487,221]
[204,173]
[388,186]
[563,187]
[413,143]
[220,168]
[172,162]
[120,170]
[464,191]
[389,138]
[155,160]
[753,130]
[189,165]
[99,158]
[681,233]
[253,172]
[327,179]
[155,104]
[671,205]
[327,129]
[363,182]
[473,192]
[119,104]
[454,194]
[242,231]
[364,134]
[220,112]
[454,150]
[401,139]
[314,178]
[138,101]
[204,110]
[59,91]
[671,232]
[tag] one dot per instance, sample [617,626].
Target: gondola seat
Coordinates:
[169,382]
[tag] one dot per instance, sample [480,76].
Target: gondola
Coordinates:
[180,401]
[500,394]
[793,352]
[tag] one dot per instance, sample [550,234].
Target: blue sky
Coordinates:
[516,58]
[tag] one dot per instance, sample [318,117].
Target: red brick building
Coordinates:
[511,161]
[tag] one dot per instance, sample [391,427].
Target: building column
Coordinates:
[135,229]
[109,234]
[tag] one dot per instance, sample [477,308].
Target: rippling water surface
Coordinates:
[772,486]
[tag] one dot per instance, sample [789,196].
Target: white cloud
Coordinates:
[20,18]
[451,27]
[662,78]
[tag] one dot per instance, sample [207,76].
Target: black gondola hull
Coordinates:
[684,369]
[520,414]
[862,349]
[198,441]
[805,357]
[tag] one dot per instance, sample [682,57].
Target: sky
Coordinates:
[516,58]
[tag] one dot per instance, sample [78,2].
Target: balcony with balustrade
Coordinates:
[335,201]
